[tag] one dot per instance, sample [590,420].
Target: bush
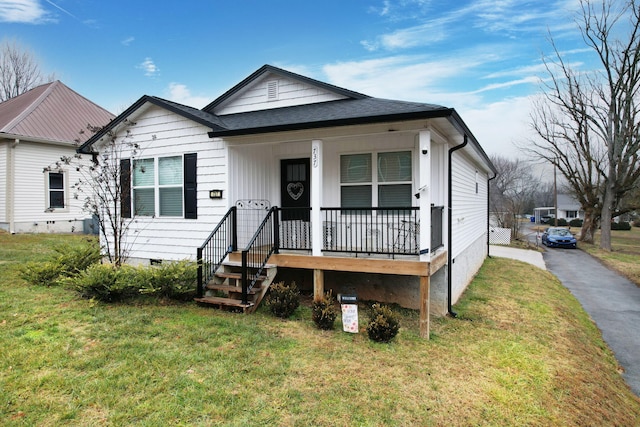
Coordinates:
[324,312]
[44,273]
[283,299]
[576,222]
[66,261]
[174,280]
[636,223]
[383,325]
[622,225]
[561,222]
[106,282]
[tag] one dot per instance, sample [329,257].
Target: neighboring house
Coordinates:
[383,198]
[568,208]
[36,129]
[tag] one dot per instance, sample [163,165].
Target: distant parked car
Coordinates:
[555,237]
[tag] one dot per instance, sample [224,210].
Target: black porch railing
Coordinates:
[393,231]
[256,254]
[222,241]
[436,227]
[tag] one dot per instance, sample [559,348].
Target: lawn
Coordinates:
[625,252]
[521,352]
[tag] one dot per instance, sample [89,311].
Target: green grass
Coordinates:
[521,352]
[625,252]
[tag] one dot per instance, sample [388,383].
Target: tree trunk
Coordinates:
[605,223]
[589,226]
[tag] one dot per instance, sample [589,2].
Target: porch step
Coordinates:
[229,288]
[239,264]
[224,302]
[238,276]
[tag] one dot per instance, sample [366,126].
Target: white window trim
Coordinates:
[374,183]
[156,188]
[65,189]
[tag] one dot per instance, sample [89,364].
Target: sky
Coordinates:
[481,57]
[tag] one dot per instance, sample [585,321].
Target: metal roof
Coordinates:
[51,112]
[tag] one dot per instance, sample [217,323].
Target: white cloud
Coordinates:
[149,67]
[500,126]
[128,41]
[180,93]
[23,11]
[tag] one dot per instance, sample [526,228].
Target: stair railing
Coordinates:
[255,256]
[222,241]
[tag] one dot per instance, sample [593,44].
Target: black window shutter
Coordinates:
[190,186]
[125,188]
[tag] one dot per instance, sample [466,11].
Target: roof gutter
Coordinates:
[449,221]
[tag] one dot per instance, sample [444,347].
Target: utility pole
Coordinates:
[555,197]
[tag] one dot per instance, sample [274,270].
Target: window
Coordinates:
[572,214]
[158,186]
[380,179]
[55,190]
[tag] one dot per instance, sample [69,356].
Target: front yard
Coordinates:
[521,352]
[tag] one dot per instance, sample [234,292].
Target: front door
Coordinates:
[295,183]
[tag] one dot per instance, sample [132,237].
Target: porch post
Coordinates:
[316,197]
[424,190]
[425,284]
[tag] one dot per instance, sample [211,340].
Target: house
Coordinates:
[36,129]
[386,199]
[568,208]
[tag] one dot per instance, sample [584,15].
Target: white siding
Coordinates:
[30,195]
[162,133]
[469,221]
[289,92]
[4,151]
[469,209]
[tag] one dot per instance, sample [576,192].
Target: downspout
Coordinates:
[449,222]
[495,174]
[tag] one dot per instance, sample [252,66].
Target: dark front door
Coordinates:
[295,182]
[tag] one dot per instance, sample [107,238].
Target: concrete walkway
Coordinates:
[525,255]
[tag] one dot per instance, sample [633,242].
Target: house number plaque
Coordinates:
[314,157]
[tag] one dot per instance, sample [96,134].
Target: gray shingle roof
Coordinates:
[331,113]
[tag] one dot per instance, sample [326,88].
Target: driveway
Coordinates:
[612,301]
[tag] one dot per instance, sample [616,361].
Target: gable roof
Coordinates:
[198,116]
[266,69]
[50,112]
[354,109]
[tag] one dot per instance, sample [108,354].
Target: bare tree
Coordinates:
[103,189]
[588,124]
[512,191]
[19,70]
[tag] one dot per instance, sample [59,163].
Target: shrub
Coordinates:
[283,299]
[44,273]
[174,280]
[561,222]
[324,312]
[636,223]
[383,325]
[622,225]
[106,282]
[66,261]
[576,222]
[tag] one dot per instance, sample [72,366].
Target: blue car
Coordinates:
[555,237]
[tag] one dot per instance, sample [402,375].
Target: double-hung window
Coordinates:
[158,186]
[55,190]
[376,179]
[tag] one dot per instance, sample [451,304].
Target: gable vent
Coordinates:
[272,90]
